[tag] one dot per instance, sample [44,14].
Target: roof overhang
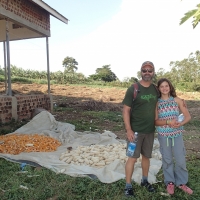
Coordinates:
[26,19]
[50,10]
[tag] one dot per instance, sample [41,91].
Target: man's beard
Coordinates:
[147,78]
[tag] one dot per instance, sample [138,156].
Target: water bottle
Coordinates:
[22,166]
[131,146]
[180,118]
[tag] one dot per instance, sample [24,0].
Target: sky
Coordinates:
[119,33]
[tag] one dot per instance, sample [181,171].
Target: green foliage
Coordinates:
[69,64]
[2,78]
[196,87]
[184,74]
[139,75]
[2,72]
[21,80]
[188,86]
[104,73]
[130,80]
[31,74]
[192,13]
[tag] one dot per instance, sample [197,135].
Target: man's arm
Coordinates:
[126,118]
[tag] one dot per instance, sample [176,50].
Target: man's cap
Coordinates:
[147,63]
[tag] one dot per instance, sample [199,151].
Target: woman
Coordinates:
[168,108]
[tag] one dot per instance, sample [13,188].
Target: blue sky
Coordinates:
[122,33]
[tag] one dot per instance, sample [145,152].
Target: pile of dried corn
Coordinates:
[17,143]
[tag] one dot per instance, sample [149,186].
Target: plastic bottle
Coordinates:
[131,146]
[180,118]
[22,166]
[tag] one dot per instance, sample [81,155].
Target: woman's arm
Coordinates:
[183,109]
[159,122]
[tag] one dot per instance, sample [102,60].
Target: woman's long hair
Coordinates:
[172,90]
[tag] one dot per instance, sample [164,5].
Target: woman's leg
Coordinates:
[167,159]
[180,172]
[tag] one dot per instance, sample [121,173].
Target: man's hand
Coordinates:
[130,135]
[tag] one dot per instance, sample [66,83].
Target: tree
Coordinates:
[186,70]
[130,79]
[139,75]
[160,73]
[192,13]
[104,73]
[69,64]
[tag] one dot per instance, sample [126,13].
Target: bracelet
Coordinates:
[168,122]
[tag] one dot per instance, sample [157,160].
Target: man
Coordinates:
[139,116]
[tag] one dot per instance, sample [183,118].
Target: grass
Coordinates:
[47,185]
[11,126]
[106,115]
[92,120]
[194,124]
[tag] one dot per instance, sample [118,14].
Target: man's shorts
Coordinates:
[144,145]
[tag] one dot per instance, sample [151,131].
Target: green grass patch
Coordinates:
[83,124]
[194,122]
[11,126]
[98,121]
[43,81]
[62,109]
[45,184]
[106,115]
[92,120]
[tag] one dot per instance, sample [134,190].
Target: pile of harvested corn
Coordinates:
[17,143]
[95,155]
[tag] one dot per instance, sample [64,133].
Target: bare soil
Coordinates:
[84,98]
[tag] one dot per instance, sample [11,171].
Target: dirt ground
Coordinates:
[99,99]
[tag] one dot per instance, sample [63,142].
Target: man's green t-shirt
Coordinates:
[142,108]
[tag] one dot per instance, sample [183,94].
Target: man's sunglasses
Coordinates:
[147,70]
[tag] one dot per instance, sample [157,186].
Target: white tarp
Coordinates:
[45,123]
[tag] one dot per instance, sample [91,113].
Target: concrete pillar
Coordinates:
[14,108]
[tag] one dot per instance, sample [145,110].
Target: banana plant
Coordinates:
[192,13]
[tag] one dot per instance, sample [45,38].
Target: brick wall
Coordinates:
[20,107]
[5,109]
[28,11]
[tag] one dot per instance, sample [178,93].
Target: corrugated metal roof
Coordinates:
[50,10]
